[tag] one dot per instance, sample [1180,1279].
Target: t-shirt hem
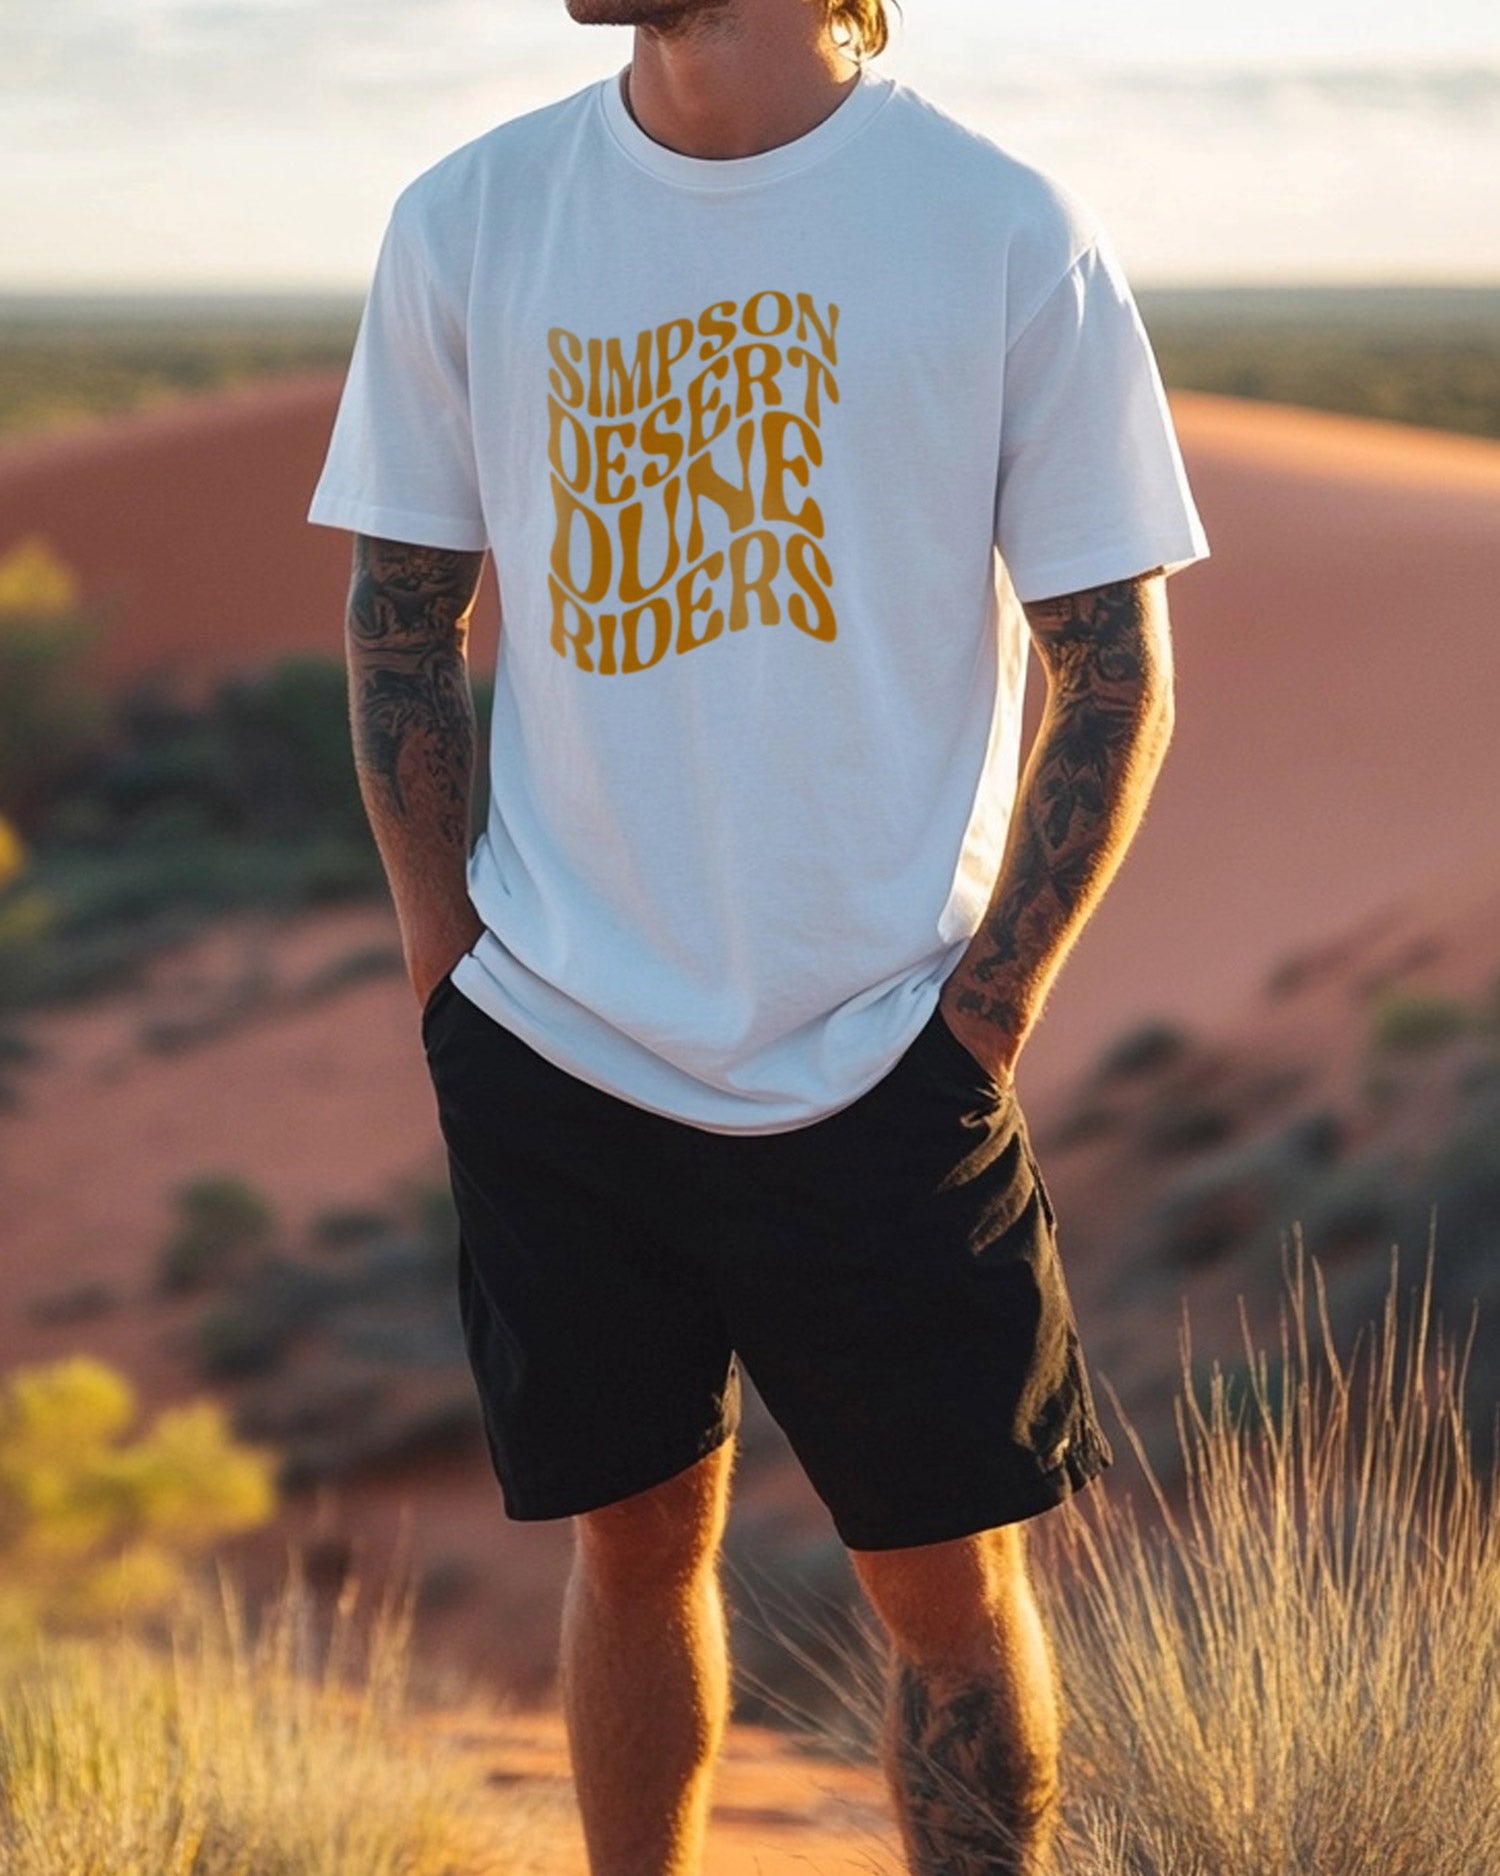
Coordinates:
[399,524]
[1103,565]
[473,981]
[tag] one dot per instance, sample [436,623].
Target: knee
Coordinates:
[944,1603]
[657,1543]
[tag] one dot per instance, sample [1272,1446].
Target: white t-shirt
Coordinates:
[744,437]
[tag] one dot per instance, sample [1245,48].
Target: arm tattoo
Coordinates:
[1085,789]
[971,1803]
[410,706]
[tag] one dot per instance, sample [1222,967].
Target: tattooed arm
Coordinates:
[1108,720]
[412,717]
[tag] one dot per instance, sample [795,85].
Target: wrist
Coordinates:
[991,1025]
[433,948]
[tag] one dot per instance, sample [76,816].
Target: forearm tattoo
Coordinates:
[1083,793]
[411,710]
[969,1803]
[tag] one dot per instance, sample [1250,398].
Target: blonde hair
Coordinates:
[860,25]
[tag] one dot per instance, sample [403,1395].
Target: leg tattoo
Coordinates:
[973,1802]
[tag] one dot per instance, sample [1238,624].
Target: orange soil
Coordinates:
[775,1811]
[1337,675]
[1338,665]
[186,525]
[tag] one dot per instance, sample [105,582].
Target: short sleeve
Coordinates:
[1091,485]
[401,463]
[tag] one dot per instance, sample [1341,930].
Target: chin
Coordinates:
[663,14]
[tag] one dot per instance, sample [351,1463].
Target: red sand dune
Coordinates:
[186,526]
[1338,668]
[1338,658]
[327,1105]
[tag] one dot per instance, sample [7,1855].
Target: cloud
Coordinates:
[1441,88]
[250,57]
[253,55]
[244,140]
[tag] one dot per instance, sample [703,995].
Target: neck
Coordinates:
[738,79]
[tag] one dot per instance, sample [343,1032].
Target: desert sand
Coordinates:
[774,1810]
[1338,659]
[1329,796]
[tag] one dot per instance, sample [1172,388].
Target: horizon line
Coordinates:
[1142,282]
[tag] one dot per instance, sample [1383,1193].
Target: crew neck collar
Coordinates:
[716,174]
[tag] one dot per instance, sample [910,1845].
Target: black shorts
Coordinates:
[888,1276]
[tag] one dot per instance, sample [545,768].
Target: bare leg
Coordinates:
[645,1672]
[973,1721]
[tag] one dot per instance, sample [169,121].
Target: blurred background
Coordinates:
[220,1175]
[254,144]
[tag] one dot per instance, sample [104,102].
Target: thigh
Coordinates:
[899,1299]
[601,1358]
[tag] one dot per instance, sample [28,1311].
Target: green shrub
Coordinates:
[354,967]
[1183,1124]
[86,963]
[237,1340]
[222,1218]
[1463,1180]
[1153,1044]
[273,1303]
[17,1050]
[348,1227]
[1408,1021]
[1364,1204]
[173,811]
[285,733]
[50,717]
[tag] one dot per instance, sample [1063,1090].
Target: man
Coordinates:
[787,406]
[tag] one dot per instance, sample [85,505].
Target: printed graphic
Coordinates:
[684,466]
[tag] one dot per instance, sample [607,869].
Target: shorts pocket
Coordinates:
[435,997]
[958,1064]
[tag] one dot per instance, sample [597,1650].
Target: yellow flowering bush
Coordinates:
[35,583]
[50,716]
[95,1524]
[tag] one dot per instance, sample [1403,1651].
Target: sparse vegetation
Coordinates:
[127,824]
[1149,1046]
[1181,1124]
[220,1749]
[1409,1021]
[48,720]
[315,1339]
[222,1219]
[1295,1672]
[95,1525]
[149,1724]
[1424,356]
[61,366]
[1409,355]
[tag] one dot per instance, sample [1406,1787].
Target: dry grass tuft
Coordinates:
[1300,1674]
[1303,1676]
[212,1751]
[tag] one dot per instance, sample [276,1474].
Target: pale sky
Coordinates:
[257,144]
